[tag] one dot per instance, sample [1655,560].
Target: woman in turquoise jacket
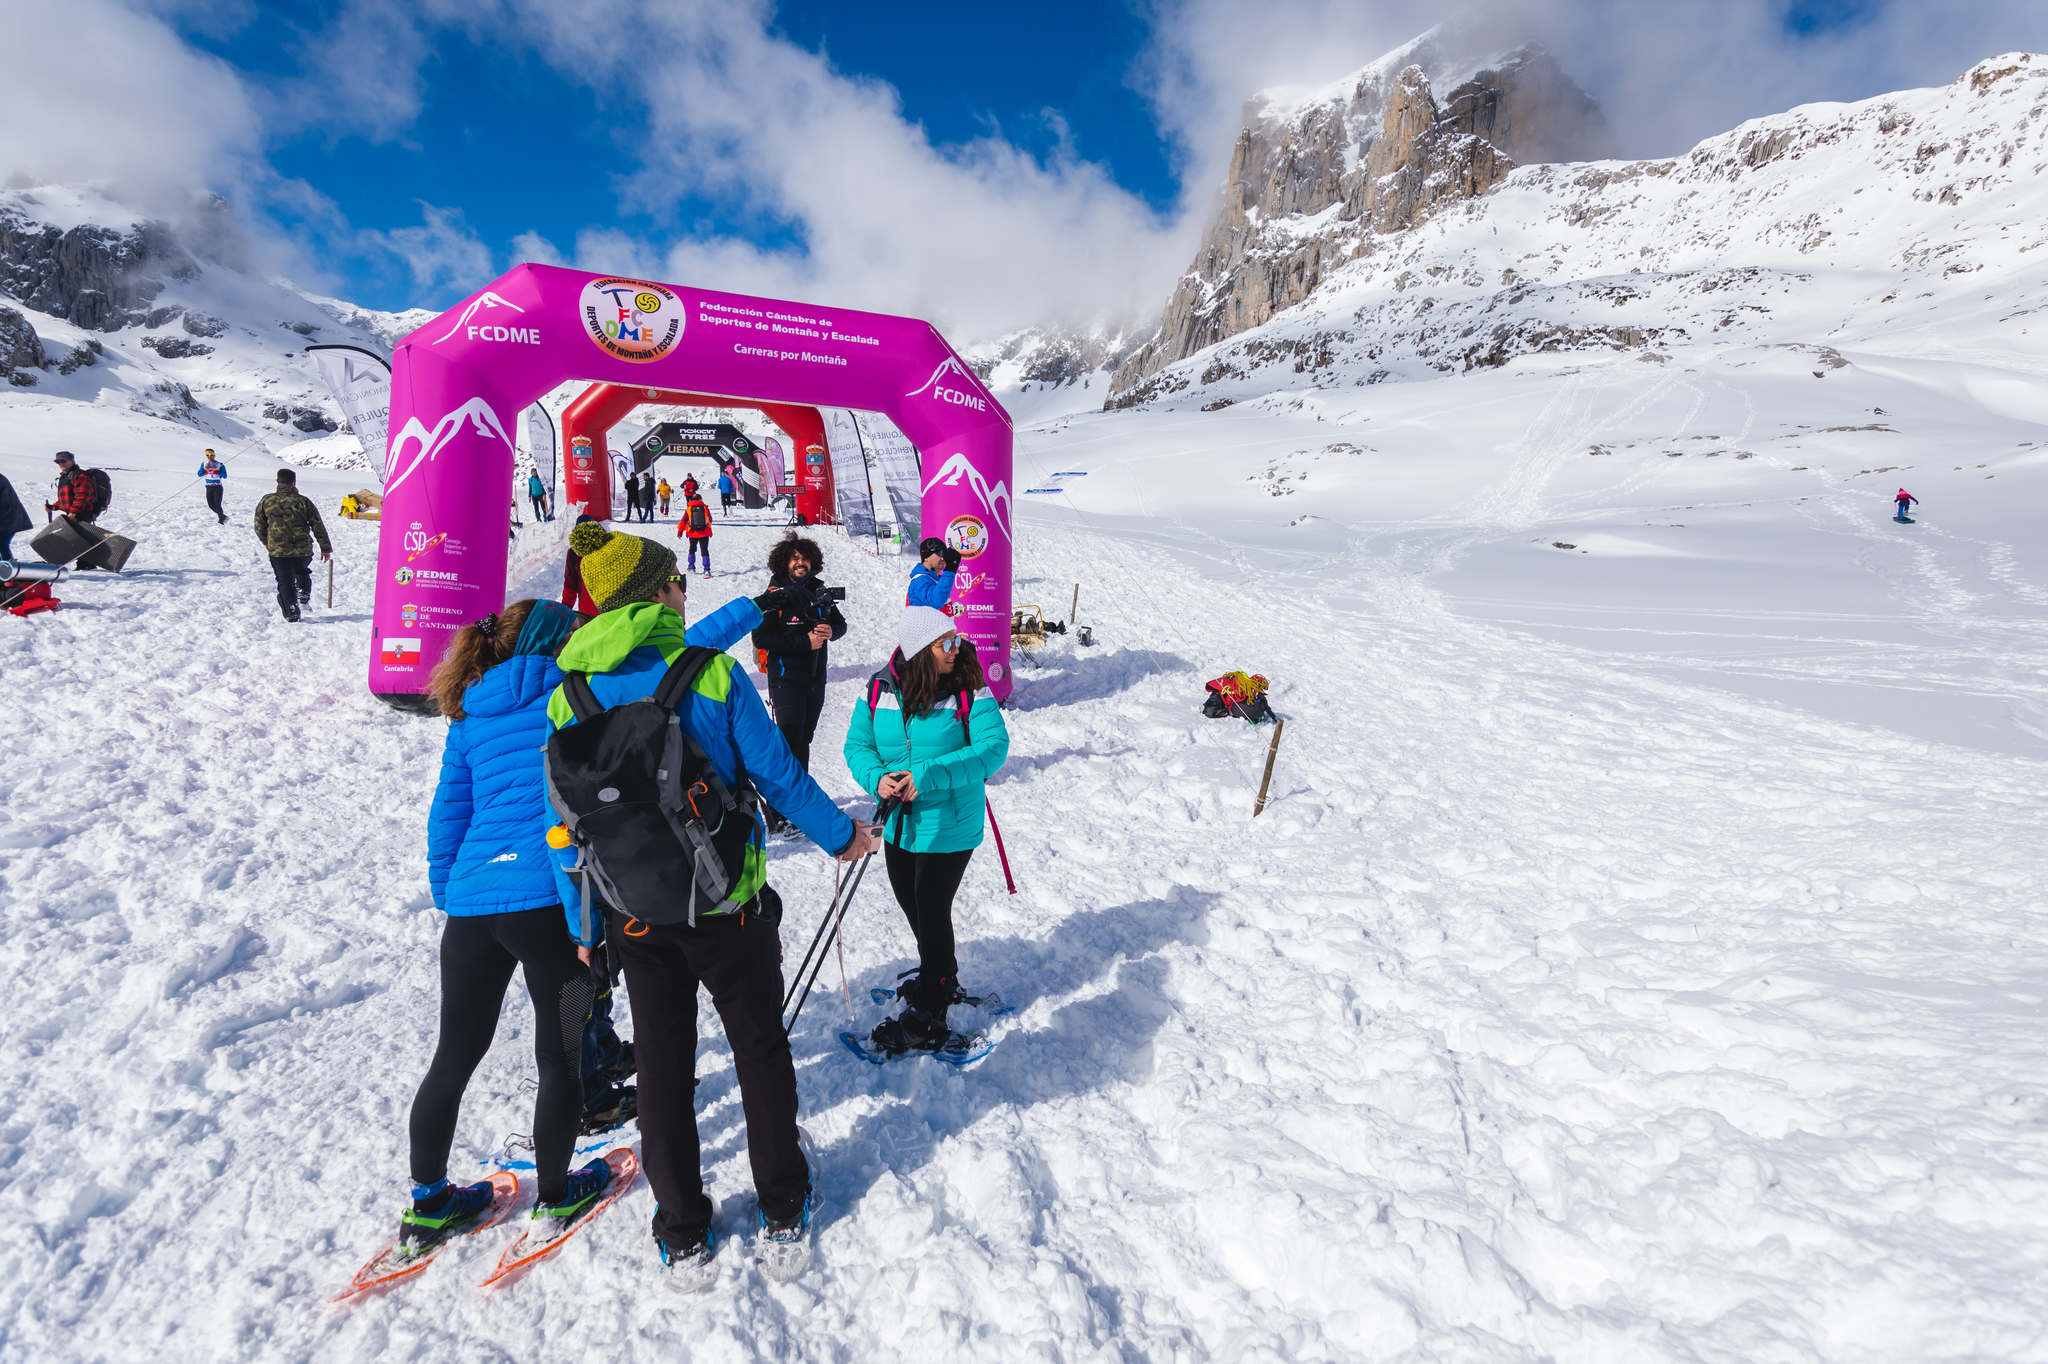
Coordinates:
[929,738]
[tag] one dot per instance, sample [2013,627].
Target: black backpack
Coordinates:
[102,492]
[643,803]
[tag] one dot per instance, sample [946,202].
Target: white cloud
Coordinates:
[978,236]
[441,254]
[101,93]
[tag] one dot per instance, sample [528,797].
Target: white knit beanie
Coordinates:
[919,627]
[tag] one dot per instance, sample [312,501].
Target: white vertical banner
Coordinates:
[897,463]
[845,448]
[540,445]
[360,381]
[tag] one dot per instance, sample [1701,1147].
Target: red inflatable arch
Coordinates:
[588,420]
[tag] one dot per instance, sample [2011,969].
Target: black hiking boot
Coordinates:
[912,1030]
[610,1108]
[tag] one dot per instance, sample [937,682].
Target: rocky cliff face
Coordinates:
[1312,182]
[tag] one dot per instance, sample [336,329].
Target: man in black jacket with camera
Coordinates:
[793,642]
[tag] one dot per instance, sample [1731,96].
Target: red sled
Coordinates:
[29,600]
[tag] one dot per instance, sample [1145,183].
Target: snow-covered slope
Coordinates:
[163,326]
[1873,226]
[1634,963]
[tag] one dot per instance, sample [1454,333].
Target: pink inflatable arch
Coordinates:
[459,384]
[587,422]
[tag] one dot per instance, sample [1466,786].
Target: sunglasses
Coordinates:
[950,643]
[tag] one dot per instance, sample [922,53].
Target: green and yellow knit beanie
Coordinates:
[619,568]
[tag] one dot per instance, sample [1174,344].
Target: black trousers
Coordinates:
[294,582]
[477,957]
[925,884]
[540,509]
[796,707]
[739,961]
[213,495]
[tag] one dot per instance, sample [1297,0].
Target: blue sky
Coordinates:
[986,166]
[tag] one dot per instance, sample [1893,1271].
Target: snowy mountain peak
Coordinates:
[107,310]
[1884,224]
[1317,172]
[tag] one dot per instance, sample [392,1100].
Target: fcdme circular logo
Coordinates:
[631,319]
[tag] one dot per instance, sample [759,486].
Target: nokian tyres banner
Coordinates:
[360,381]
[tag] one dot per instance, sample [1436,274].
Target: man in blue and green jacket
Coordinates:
[735,955]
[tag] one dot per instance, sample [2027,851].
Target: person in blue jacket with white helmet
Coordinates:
[490,871]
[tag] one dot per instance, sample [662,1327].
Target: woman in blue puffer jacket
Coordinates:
[930,738]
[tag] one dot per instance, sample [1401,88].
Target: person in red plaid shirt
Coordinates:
[76,497]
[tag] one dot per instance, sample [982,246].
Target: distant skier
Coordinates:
[696,524]
[665,492]
[537,491]
[929,735]
[1905,501]
[288,524]
[725,491]
[931,582]
[14,518]
[214,474]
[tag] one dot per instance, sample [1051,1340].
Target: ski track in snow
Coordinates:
[1560,1005]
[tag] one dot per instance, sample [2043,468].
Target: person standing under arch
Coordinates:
[794,641]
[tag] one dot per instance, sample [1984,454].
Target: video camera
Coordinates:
[811,598]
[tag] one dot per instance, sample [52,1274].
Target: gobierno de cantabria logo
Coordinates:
[632,319]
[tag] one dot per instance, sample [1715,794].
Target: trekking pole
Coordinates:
[330,584]
[997,829]
[1279,724]
[835,914]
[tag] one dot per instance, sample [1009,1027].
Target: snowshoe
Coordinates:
[784,1248]
[911,1030]
[585,1186]
[689,1269]
[429,1222]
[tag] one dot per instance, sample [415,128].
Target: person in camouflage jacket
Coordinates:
[288,524]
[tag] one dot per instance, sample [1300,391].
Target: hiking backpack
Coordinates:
[700,516]
[642,802]
[102,493]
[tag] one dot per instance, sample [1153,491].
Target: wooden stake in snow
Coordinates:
[1279,724]
[1074,611]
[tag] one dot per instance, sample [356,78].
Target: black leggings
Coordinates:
[477,956]
[925,884]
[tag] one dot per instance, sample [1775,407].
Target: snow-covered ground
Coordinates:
[1639,959]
